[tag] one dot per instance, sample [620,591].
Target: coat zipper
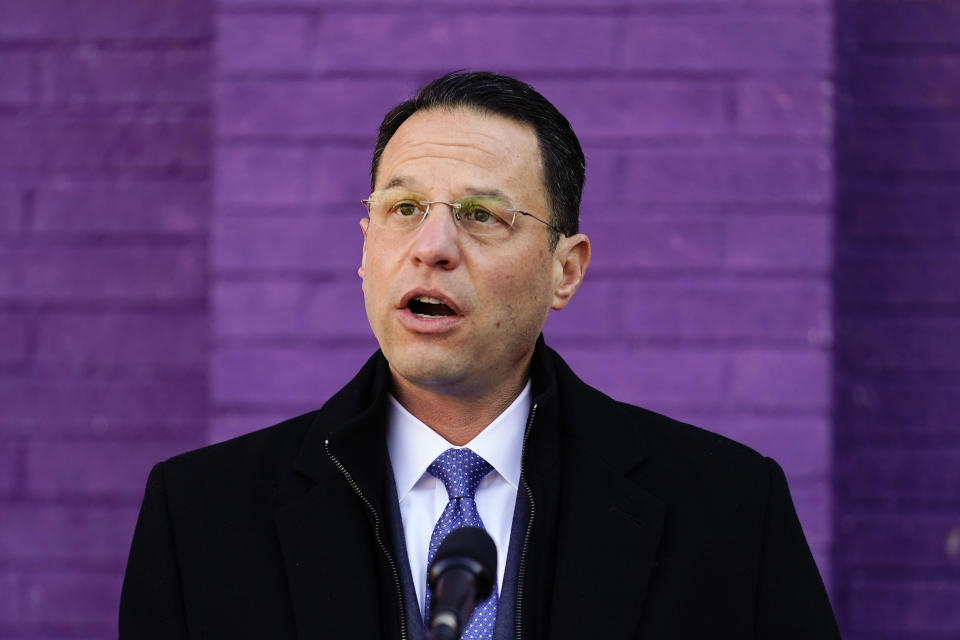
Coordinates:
[522,569]
[377,534]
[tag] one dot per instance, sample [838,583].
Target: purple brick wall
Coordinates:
[179,187]
[897,559]
[105,197]
[709,196]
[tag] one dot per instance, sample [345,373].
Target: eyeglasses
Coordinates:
[478,215]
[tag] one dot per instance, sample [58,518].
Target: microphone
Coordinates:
[461,576]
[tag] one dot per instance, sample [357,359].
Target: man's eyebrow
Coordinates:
[399,181]
[494,193]
[404,182]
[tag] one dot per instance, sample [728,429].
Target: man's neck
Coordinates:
[457,418]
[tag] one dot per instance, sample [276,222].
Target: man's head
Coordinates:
[457,293]
[562,162]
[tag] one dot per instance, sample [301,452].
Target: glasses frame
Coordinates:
[455,211]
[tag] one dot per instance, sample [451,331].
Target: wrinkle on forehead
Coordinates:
[455,145]
[457,151]
[460,156]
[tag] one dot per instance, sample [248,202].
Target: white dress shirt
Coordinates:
[413,446]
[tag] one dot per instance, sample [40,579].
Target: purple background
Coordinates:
[772,196]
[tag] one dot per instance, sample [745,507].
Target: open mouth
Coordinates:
[427,307]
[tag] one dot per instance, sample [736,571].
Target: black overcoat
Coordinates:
[641,527]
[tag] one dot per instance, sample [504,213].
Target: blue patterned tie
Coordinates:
[460,471]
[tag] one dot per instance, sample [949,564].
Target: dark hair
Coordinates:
[564,167]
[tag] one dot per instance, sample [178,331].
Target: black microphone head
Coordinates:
[472,542]
[475,549]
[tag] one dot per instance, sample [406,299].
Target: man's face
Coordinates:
[497,294]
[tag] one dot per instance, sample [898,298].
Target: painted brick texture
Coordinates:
[897,300]
[708,133]
[105,158]
[179,187]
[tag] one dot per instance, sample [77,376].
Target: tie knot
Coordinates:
[460,471]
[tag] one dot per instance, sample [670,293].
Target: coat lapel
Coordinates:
[330,516]
[331,569]
[608,538]
[609,525]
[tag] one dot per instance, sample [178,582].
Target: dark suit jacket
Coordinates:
[641,527]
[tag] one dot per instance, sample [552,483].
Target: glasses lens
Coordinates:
[396,209]
[485,216]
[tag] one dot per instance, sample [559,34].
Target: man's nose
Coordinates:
[437,240]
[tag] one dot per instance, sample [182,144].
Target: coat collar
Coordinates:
[608,525]
[580,454]
[352,423]
[331,525]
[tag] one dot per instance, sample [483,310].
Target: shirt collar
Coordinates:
[413,445]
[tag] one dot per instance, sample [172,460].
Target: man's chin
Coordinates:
[441,374]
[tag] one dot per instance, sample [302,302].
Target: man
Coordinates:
[610,521]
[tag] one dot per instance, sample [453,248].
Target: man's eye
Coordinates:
[405,208]
[479,214]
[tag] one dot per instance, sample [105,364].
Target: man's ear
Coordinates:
[364,223]
[571,258]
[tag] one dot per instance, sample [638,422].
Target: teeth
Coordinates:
[430,307]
